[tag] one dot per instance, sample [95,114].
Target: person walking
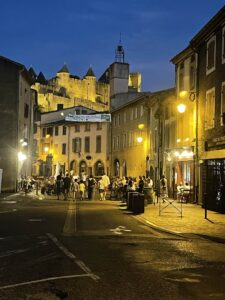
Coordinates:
[163,188]
[66,184]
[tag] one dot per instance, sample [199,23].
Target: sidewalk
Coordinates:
[192,221]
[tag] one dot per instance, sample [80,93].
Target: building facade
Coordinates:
[72,140]
[16,130]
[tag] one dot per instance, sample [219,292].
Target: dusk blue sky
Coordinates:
[46,33]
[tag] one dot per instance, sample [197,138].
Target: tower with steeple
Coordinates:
[119,72]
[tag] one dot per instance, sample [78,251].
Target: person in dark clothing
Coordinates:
[66,185]
[59,184]
[90,187]
[140,185]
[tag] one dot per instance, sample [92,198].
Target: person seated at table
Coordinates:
[180,191]
[187,190]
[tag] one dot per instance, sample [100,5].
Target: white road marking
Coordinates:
[8,202]
[70,226]
[120,230]
[36,220]
[8,211]
[43,280]
[12,252]
[72,256]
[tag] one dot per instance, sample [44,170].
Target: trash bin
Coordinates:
[138,203]
[130,199]
[149,195]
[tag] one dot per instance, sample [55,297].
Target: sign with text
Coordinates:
[89,118]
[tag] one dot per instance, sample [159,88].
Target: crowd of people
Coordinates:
[83,187]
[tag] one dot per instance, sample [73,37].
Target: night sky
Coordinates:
[45,34]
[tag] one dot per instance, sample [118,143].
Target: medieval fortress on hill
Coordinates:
[66,90]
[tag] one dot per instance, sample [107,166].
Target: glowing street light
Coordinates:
[140,139]
[181,108]
[21,156]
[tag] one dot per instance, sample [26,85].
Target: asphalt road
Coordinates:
[98,250]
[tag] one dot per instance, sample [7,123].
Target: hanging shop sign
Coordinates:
[89,118]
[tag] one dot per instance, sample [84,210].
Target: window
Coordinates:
[59,106]
[210,109]
[98,143]
[44,132]
[87,126]
[124,140]
[87,144]
[49,131]
[56,130]
[76,145]
[63,148]
[192,77]
[26,110]
[64,130]
[77,127]
[118,119]
[125,117]
[118,142]
[181,77]
[35,128]
[135,112]
[223,45]
[131,114]
[141,110]
[223,104]
[114,143]
[99,126]
[211,55]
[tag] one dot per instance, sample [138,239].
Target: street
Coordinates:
[53,249]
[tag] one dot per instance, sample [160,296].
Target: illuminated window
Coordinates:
[211,55]
[210,109]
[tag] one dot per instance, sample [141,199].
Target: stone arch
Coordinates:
[82,168]
[124,169]
[99,169]
[116,168]
[73,167]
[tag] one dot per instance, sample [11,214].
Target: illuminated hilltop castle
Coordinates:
[66,90]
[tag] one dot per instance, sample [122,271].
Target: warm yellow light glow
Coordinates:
[62,114]
[21,156]
[187,140]
[178,140]
[141,126]
[183,94]
[46,149]
[176,153]
[181,108]
[139,139]
[47,136]
[24,144]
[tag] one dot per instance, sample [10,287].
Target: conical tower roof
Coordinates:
[41,78]
[90,73]
[32,73]
[64,69]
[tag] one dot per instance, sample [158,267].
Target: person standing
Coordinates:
[82,190]
[59,185]
[75,188]
[101,186]
[90,186]
[106,181]
[66,183]
[163,187]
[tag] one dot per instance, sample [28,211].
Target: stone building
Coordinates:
[16,130]
[73,140]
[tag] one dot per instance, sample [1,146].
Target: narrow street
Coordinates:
[97,250]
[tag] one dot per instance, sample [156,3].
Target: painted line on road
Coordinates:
[42,280]
[70,226]
[35,220]
[8,211]
[8,202]
[72,256]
